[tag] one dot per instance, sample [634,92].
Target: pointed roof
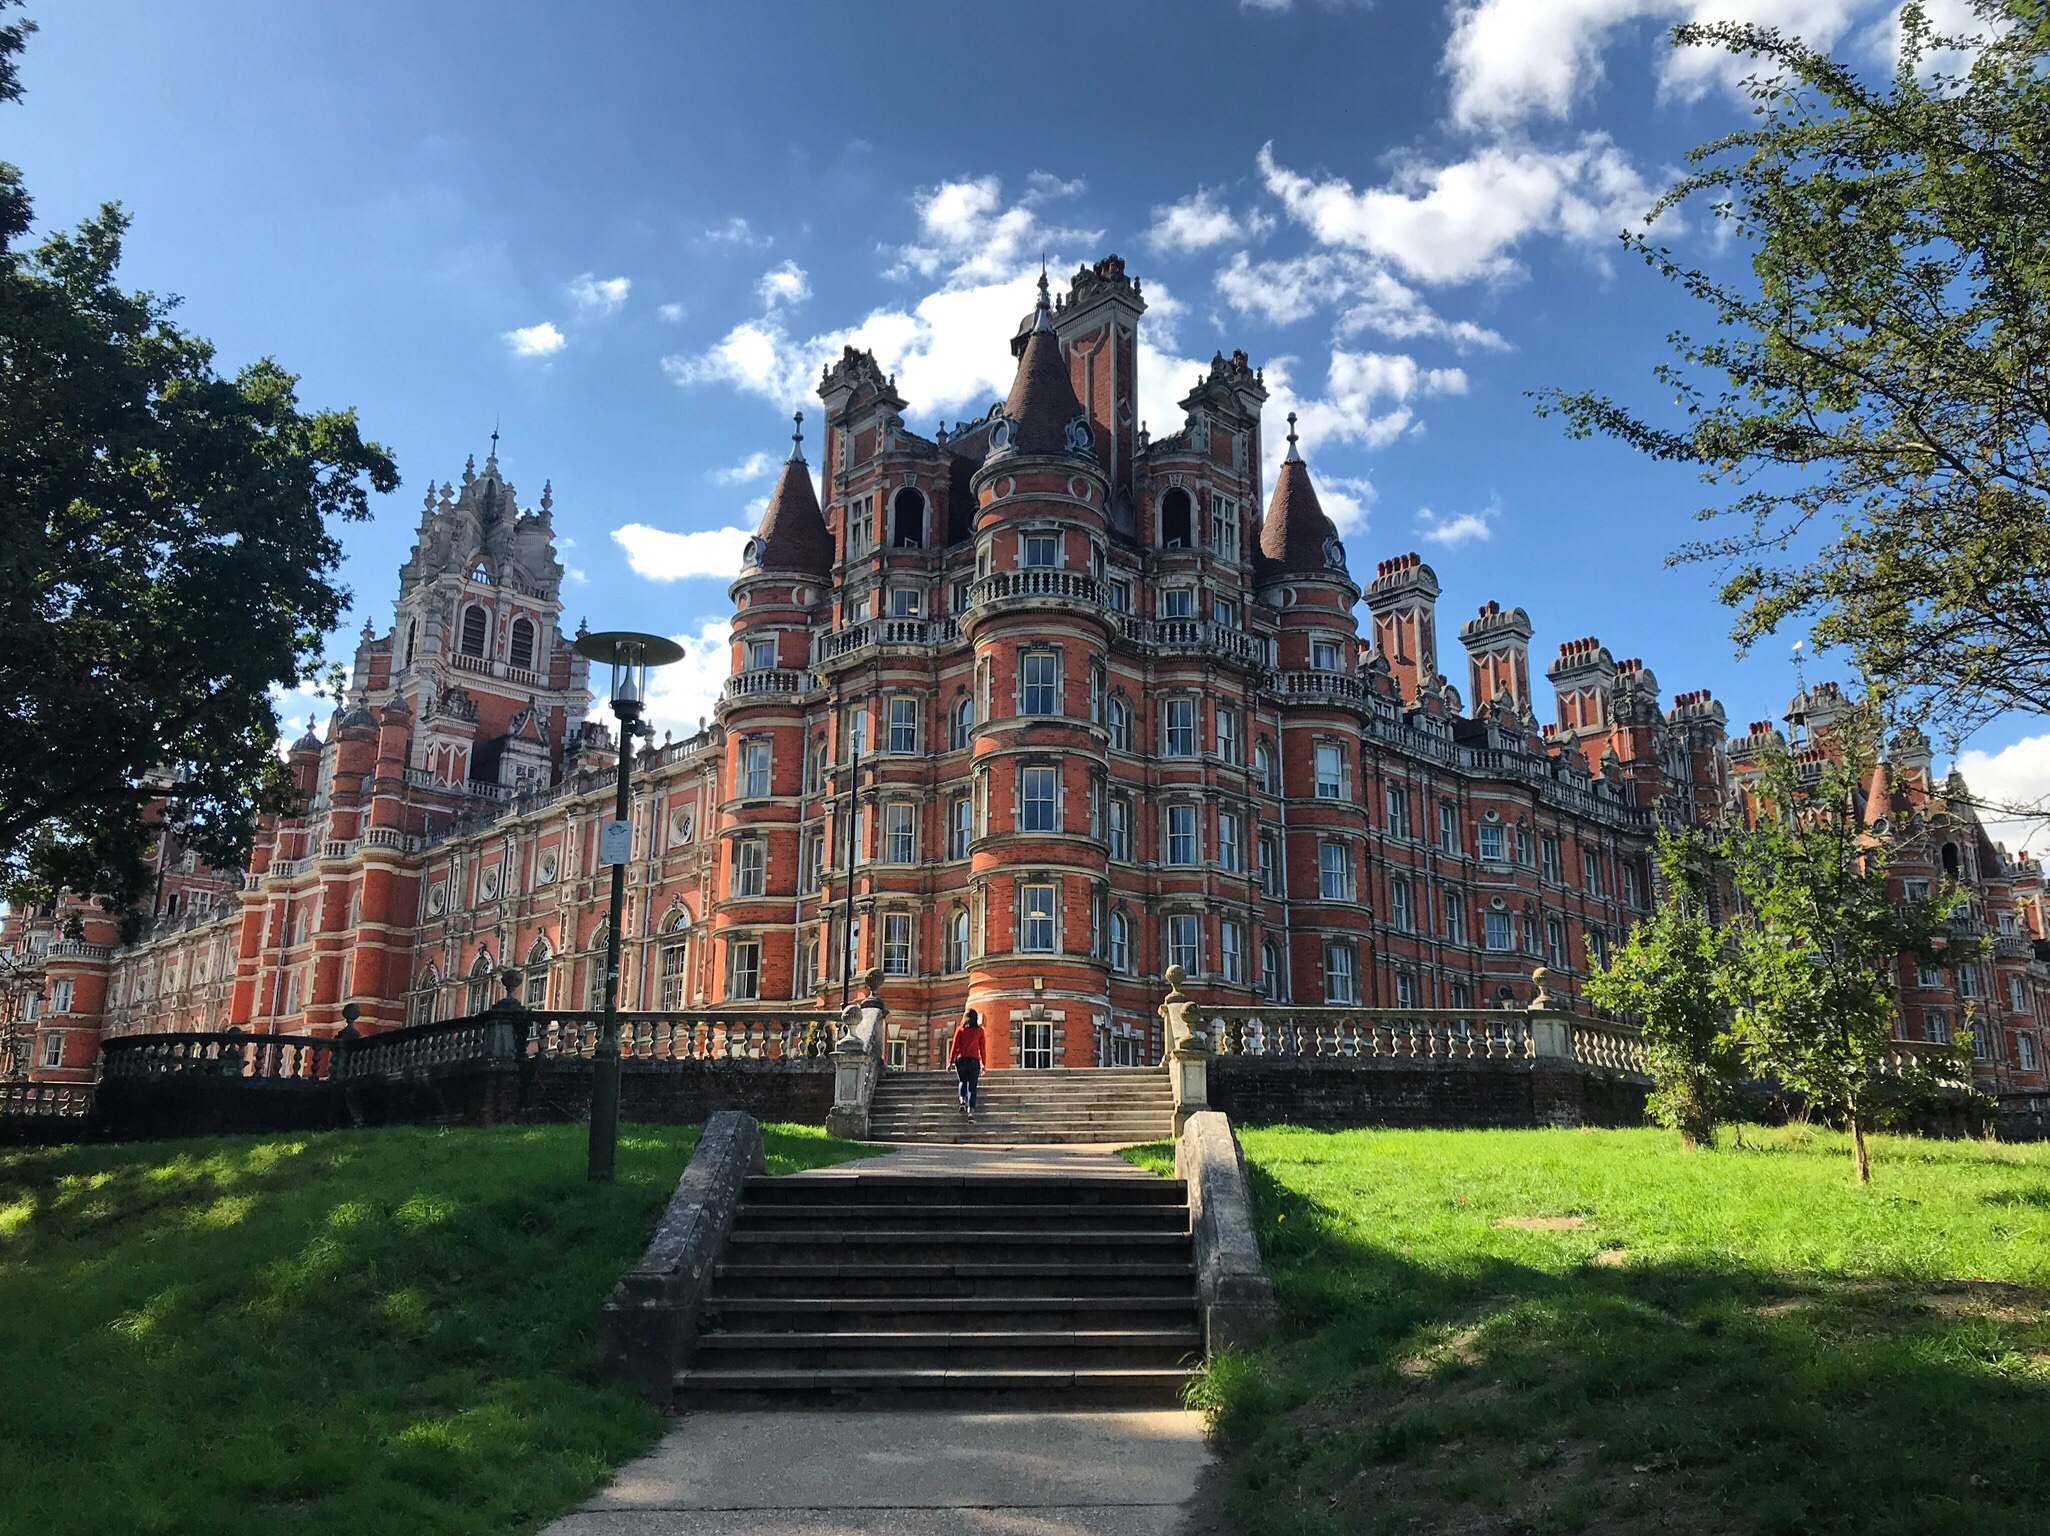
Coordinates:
[1042,401]
[1296,533]
[793,535]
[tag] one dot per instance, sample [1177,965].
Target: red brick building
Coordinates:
[1082,702]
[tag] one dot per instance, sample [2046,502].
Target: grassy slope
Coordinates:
[1733,1341]
[376,1332]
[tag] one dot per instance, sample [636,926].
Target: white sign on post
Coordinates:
[615,842]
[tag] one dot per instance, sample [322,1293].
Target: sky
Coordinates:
[627,236]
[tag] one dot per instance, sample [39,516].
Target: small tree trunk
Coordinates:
[1859,1160]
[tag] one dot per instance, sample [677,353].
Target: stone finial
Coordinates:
[1174,978]
[1541,999]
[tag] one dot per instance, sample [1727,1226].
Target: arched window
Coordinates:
[480,572]
[907,520]
[961,724]
[957,940]
[1117,720]
[477,996]
[1177,520]
[1121,942]
[523,644]
[1270,969]
[412,642]
[475,625]
[1263,767]
[535,993]
[1952,864]
[674,958]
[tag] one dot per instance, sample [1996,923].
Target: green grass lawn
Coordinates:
[380,1332]
[1551,1331]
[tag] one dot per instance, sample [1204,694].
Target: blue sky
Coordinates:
[628,234]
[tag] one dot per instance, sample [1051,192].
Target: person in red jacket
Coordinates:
[967,1051]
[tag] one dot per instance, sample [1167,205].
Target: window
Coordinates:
[1038,791]
[1324,655]
[1270,969]
[896,943]
[743,970]
[861,526]
[1263,768]
[754,768]
[815,770]
[749,858]
[1035,1045]
[1041,550]
[1036,930]
[1038,683]
[594,986]
[1178,603]
[60,995]
[957,940]
[1917,890]
[535,990]
[904,602]
[1117,720]
[961,724]
[907,519]
[1928,976]
[1334,871]
[1120,827]
[1224,614]
[808,965]
[1968,981]
[2010,925]
[1177,519]
[1400,913]
[522,655]
[1591,871]
[1231,843]
[53,1049]
[1231,952]
[1935,1027]
[1181,834]
[1398,811]
[1548,857]
[857,727]
[1448,828]
[2014,994]
[1329,758]
[1181,941]
[1455,917]
[1629,872]
[1530,931]
[761,655]
[1341,983]
[899,839]
[1555,943]
[1523,845]
[1501,932]
[672,971]
[1489,840]
[811,863]
[1228,735]
[1597,948]
[1121,943]
[1118,595]
[903,725]
[960,826]
[1224,527]
[475,625]
[2025,1052]
[857,837]
[1270,865]
[1180,720]
[1405,989]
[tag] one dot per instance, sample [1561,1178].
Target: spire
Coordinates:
[1042,315]
[1296,535]
[491,459]
[793,535]
[797,438]
[1044,415]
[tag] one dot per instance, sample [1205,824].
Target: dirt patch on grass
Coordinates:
[1611,1258]
[1544,1223]
[1458,1349]
[2001,1300]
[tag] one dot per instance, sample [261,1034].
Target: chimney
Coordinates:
[1498,655]
[1581,679]
[1402,599]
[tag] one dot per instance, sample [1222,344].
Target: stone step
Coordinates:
[980,1189]
[897,1279]
[1029,1349]
[886,1314]
[1050,1386]
[791,1218]
[994,1245]
[1036,1136]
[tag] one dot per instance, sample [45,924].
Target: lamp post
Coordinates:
[629,655]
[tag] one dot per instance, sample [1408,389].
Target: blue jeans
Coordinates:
[968,1069]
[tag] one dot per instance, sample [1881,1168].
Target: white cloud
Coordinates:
[2015,776]
[967,235]
[1367,295]
[671,312]
[596,295]
[663,556]
[684,693]
[1368,400]
[784,284]
[737,231]
[1454,529]
[541,340]
[753,467]
[1345,499]
[1456,222]
[1200,221]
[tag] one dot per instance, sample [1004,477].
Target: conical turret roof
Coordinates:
[1296,534]
[793,535]
[1042,401]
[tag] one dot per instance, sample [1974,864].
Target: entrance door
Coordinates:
[1036,1042]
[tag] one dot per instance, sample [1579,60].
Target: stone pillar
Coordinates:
[1188,1053]
[1558,1090]
[857,1061]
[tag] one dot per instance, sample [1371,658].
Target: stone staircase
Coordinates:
[1006,1289]
[1022,1107]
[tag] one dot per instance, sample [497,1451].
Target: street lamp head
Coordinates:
[629,655]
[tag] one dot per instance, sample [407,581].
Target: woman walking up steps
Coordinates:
[967,1051]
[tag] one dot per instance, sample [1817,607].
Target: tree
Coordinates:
[1811,982]
[1877,396]
[166,558]
[1667,973]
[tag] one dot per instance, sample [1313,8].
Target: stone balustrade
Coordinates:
[45,1101]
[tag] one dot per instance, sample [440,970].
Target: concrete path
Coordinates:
[931,1472]
[946,1159]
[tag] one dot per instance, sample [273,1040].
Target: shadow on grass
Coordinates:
[344,1332]
[1475,1394]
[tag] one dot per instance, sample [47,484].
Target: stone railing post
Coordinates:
[1557,1086]
[857,1061]
[1188,1052]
